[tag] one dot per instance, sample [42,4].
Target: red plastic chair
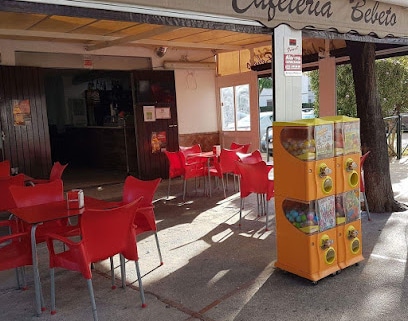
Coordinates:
[250,158]
[362,185]
[194,167]
[15,252]
[187,150]
[254,179]
[5,168]
[24,196]
[237,145]
[105,233]
[226,164]
[6,200]
[176,168]
[145,220]
[56,173]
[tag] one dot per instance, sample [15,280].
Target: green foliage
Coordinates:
[392,81]
[264,82]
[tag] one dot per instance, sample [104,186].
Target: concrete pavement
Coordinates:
[215,271]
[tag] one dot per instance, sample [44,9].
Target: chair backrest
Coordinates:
[135,188]
[176,167]
[362,161]
[57,170]
[6,199]
[5,168]
[254,178]
[228,159]
[250,158]
[106,232]
[190,149]
[237,145]
[38,194]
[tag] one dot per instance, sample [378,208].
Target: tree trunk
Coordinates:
[377,177]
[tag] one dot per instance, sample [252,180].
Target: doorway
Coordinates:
[87,111]
[238,109]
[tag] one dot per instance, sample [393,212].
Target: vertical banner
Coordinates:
[292,56]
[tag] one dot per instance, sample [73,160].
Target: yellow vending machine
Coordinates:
[305,198]
[347,189]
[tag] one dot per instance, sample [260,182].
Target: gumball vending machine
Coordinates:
[305,198]
[347,183]
[348,228]
[303,151]
[347,152]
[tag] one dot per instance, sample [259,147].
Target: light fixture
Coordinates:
[160,51]
[188,65]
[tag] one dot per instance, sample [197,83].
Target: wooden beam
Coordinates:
[189,45]
[143,35]
[54,35]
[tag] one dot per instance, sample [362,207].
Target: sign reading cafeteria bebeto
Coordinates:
[364,16]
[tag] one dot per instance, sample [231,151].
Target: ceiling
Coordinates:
[101,33]
[97,29]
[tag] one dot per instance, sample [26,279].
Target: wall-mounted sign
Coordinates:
[163,113]
[87,62]
[158,141]
[21,112]
[149,113]
[292,56]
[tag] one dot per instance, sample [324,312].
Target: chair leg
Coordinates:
[366,206]
[168,189]
[158,248]
[184,189]
[240,211]
[52,281]
[18,278]
[92,297]
[258,205]
[112,273]
[223,186]
[123,270]
[139,278]
[266,226]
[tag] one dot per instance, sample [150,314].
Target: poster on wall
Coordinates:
[149,113]
[21,112]
[292,56]
[158,141]
[163,113]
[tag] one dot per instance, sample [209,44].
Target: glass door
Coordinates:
[238,109]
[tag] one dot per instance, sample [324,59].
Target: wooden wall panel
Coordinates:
[26,146]
[154,88]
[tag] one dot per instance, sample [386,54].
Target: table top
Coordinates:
[54,210]
[202,154]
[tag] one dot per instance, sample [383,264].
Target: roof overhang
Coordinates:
[386,18]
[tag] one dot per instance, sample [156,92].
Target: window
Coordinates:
[235,108]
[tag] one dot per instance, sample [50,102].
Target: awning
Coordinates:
[385,18]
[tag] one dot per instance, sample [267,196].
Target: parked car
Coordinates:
[268,141]
[308,113]
[265,120]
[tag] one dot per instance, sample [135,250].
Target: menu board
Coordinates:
[324,141]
